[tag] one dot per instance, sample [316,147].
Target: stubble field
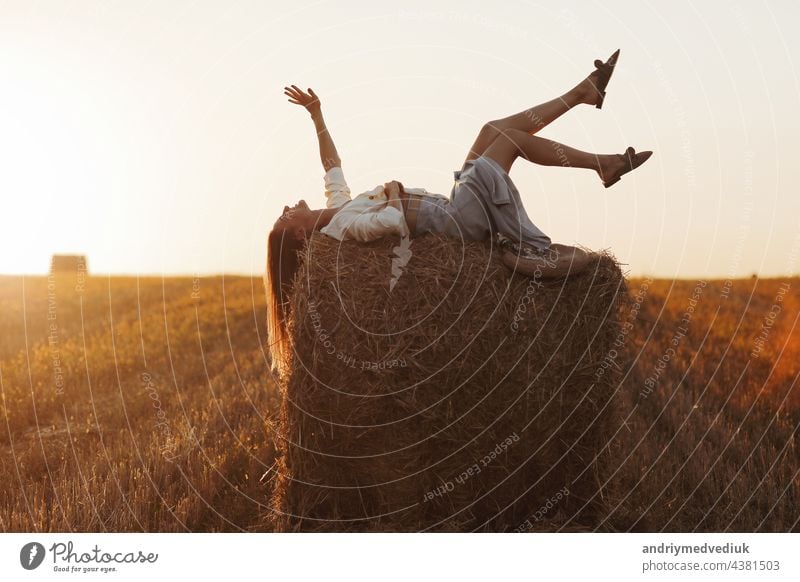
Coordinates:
[146,404]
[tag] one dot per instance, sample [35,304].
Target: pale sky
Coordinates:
[155,137]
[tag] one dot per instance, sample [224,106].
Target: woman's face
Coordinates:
[299,219]
[301,205]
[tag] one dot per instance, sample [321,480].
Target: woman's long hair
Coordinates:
[282,264]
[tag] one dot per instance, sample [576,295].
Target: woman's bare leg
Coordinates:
[533,119]
[514,143]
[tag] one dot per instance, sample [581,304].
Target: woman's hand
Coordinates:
[308,100]
[392,190]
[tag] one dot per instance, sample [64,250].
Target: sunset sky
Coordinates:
[155,137]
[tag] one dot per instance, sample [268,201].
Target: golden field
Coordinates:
[146,404]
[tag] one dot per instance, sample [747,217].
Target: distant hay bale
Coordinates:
[466,399]
[68,264]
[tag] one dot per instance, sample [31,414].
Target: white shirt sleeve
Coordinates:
[370,226]
[336,191]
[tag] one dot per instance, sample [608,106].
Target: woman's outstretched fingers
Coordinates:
[291,94]
[299,97]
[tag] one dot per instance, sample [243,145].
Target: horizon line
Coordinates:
[191,275]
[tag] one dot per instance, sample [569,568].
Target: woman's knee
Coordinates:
[487,135]
[491,129]
[511,138]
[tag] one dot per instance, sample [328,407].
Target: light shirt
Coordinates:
[366,217]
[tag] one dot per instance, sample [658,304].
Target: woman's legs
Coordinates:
[514,143]
[533,119]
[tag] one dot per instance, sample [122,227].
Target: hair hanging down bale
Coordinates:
[466,399]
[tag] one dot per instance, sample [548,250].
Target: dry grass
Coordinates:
[713,447]
[161,420]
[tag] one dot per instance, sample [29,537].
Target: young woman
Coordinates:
[483,203]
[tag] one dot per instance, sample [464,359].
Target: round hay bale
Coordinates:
[467,398]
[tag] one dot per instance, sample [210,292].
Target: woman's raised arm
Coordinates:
[327,149]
